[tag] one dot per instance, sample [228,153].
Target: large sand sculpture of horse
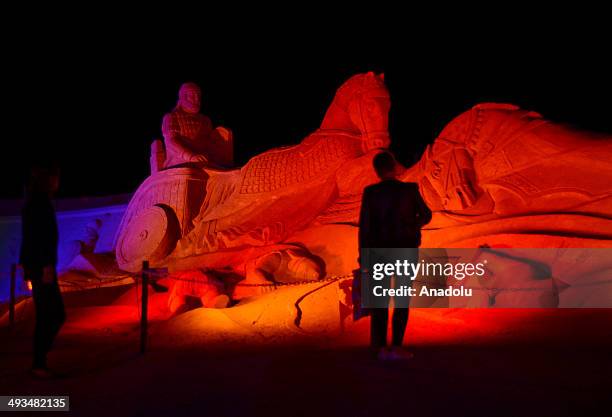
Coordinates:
[497,175]
[192,217]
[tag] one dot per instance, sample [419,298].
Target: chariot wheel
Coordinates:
[149,236]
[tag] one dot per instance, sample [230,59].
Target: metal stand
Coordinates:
[145,303]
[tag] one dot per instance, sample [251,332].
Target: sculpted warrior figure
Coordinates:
[189,136]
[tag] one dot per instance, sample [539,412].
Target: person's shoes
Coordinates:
[398,353]
[383,354]
[42,373]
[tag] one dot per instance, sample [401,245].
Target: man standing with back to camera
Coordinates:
[392,214]
[38,258]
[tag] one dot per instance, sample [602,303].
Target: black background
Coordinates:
[94,99]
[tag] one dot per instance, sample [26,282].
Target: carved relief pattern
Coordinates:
[301,163]
[181,191]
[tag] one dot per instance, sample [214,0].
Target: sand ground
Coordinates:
[494,363]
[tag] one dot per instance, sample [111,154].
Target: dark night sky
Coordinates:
[96,105]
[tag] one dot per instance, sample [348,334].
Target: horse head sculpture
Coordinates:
[361,106]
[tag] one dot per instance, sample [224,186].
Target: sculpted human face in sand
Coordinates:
[190,98]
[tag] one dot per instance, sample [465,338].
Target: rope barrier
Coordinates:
[270,284]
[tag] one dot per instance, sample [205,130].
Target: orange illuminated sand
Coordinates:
[218,364]
[227,329]
[286,317]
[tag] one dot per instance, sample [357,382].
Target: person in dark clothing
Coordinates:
[38,257]
[392,215]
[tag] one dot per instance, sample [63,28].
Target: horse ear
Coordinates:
[381,76]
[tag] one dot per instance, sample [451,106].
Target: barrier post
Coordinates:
[145,301]
[12,294]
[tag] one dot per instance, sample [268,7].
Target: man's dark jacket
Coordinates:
[392,214]
[39,236]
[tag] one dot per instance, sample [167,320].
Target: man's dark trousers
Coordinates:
[50,315]
[379,317]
